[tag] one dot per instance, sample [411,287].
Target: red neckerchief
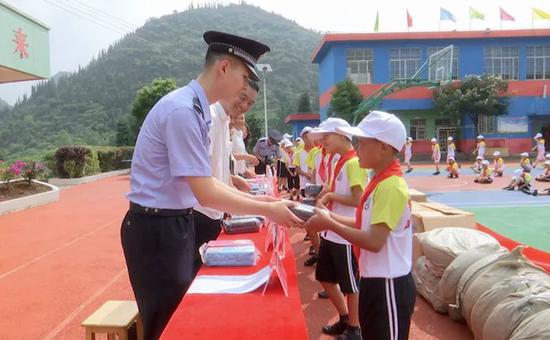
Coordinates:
[394,169]
[323,166]
[339,165]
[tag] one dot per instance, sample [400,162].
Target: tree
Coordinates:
[475,96]
[148,96]
[345,100]
[304,103]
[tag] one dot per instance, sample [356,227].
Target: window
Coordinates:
[538,62]
[487,123]
[502,61]
[360,65]
[443,61]
[443,122]
[418,129]
[404,62]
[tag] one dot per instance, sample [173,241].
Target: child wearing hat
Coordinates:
[540,149]
[452,168]
[521,180]
[498,164]
[525,162]
[381,229]
[486,175]
[408,154]
[544,177]
[451,148]
[477,165]
[293,179]
[436,155]
[480,147]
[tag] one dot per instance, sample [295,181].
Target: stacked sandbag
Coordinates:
[448,285]
[501,291]
[426,284]
[441,246]
[483,277]
[535,327]
[509,314]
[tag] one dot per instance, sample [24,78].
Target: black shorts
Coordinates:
[293,181]
[386,307]
[281,170]
[337,264]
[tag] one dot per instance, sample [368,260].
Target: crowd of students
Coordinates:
[485,171]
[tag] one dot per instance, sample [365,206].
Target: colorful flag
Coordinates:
[538,14]
[476,15]
[446,15]
[376,23]
[505,16]
[409,20]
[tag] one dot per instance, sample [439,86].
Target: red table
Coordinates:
[242,316]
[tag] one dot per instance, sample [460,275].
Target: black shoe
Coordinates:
[312,251]
[436,173]
[322,295]
[335,329]
[535,192]
[351,333]
[409,170]
[311,261]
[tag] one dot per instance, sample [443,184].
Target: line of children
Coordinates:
[336,265]
[408,154]
[436,155]
[381,229]
[540,149]
[452,168]
[486,174]
[498,164]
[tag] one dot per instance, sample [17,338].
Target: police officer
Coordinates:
[171,173]
[267,150]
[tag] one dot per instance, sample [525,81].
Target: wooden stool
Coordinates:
[114,318]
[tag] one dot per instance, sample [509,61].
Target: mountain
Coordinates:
[88,105]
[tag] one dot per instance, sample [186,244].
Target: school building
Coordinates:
[522,57]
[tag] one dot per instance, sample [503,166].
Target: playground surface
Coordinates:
[61,261]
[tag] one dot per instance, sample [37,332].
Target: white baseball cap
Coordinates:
[480,137]
[538,135]
[305,130]
[299,139]
[287,136]
[381,126]
[409,139]
[288,144]
[451,158]
[485,162]
[548,155]
[496,153]
[331,125]
[518,172]
[546,162]
[284,141]
[524,154]
[479,157]
[434,140]
[450,138]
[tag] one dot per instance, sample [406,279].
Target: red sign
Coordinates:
[21,43]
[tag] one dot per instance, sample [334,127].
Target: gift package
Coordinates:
[229,253]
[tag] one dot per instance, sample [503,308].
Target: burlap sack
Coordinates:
[535,327]
[506,266]
[446,289]
[426,283]
[441,246]
[508,315]
[498,293]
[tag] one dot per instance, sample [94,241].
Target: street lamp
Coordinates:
[264,68]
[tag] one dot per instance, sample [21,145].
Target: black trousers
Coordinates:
[159,253]
[386,307]
[206,229]
[260,168]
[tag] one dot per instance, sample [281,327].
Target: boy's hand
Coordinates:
[318,222]
[325,198]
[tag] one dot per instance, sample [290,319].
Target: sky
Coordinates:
[88,26]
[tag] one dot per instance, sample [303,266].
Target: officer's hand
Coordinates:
[319,221]
[280,214]
[266,198]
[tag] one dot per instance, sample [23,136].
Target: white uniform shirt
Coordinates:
[220,152]
[238,147]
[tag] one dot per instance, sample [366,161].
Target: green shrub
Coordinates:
[76,161]
[111,158]
[50,162]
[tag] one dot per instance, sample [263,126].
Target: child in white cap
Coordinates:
[381,229]
[525,162]
[486,175]
[498,164]
[544,177]
[451,148]
[540,149]
[436,155]
[477,165]
[521,180]
[480,147]
[408,154]
[452,168]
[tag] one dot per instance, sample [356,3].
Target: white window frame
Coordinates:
[358,59]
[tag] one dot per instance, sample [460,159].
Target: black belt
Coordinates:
[138,209]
